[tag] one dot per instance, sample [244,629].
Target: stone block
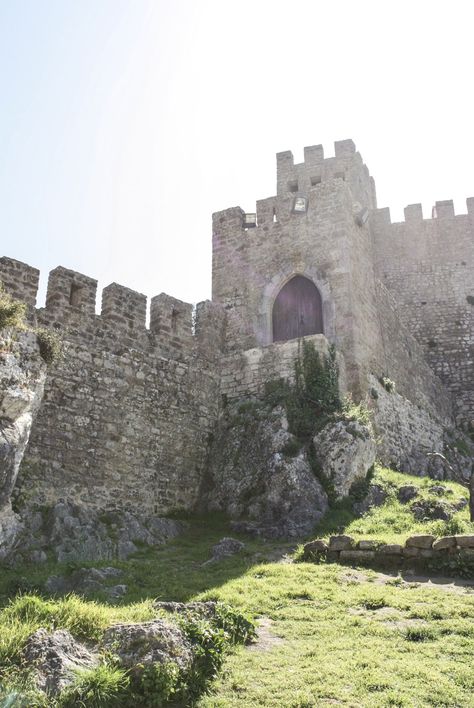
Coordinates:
[466,541]
[391,549]
[411,552]
[467,553]
[315,547]
[421,541]
[368,545]
[341,543]
[356,556]
[444,543]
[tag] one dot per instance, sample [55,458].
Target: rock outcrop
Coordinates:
[255,479]
[74,533]
[345,451]
[22,377]
[137,646]
[54,658]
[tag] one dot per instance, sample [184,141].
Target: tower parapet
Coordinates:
[68,289]
[346,164]
[20,280]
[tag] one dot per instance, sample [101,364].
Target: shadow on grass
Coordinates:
[175,571]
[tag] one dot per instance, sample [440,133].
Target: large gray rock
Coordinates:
[376,496]
[75,533]
[345,451]
[138,646]
[87,581]
[54,657]
[224,548]
[264,489]
[22,377]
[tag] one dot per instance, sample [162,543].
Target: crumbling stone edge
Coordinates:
[455,552]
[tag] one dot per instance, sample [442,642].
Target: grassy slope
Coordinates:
[348,639]
[393,522]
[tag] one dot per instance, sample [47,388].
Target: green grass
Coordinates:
[345,636]
[394,522]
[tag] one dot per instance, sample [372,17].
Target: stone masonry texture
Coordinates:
[129,412]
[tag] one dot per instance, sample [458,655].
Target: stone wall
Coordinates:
[428,266]
[332,247]
[246,373]
[127,412]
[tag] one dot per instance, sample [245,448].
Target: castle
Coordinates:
[129,413]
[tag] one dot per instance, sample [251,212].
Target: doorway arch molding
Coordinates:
[271,290]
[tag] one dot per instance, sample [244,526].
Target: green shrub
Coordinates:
[50,345]
[209,645]
[101,687]
[159,684]
[313,397]
[356,411]
[387,383]
[239,628]
[12,312]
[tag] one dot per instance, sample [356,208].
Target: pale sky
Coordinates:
[125,123]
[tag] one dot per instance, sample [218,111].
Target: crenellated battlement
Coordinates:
[414,212]
[176,328]
[347,164]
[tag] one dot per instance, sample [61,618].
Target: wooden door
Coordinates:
[297,310]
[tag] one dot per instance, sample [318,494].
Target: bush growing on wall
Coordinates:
[12,312]
[313,397]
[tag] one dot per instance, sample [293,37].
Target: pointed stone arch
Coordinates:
[297,310]
[264,315]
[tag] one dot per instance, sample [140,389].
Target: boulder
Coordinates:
[345,452]
[406,493]
[440,490]
[376,496]
[225,548]
[264,490]
[137,646]
[428,509]
[53,658]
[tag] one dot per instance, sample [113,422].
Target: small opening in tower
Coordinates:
[293,186]
[340,175]
[75,295]
[174,319]
[275,219]
[315,180]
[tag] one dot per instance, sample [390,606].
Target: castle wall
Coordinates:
[332,247]
[246,373]
[127,413]
[428,266]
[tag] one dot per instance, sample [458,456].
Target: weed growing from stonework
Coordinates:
[50,345]
[313,397]
[12,312]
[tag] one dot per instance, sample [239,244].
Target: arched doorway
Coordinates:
[297,310]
